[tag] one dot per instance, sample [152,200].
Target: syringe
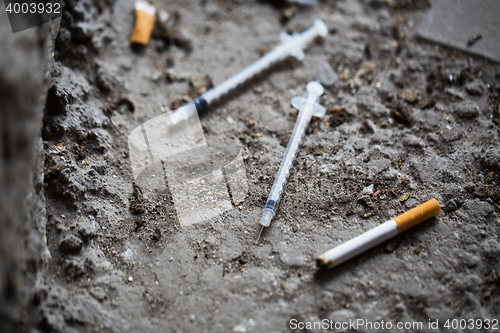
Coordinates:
[308,106]
[291,45]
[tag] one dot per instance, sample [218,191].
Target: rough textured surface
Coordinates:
[25,63]
[467,25]
[404,116]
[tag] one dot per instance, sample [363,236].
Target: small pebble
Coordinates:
[130,278]
[70,245]
[467,110]
[475,87]
[157,234]
[409,95]
[368,190]
[404,197]
[450,206]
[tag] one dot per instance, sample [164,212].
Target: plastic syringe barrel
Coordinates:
[276,55]
[292,46]
[286,165]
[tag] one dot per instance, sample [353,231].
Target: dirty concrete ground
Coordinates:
[415,120]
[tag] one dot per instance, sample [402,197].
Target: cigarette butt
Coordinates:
[379,234]
[144,22]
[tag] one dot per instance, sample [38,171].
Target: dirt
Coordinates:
[415,120]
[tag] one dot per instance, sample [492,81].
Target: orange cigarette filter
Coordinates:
[418,214]
[144,22]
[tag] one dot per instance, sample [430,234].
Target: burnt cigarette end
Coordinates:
[320,264]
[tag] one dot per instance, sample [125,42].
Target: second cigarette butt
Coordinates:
[144,22]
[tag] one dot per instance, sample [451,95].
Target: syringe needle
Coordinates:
[308,106]
[260,233]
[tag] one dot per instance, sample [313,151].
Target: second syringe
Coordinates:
[308,106]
